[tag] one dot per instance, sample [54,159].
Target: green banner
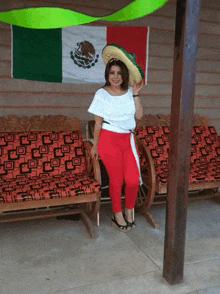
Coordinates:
[56,17]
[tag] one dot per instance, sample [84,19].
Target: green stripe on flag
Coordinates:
[37,54]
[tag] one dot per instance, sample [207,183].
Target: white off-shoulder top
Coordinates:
[117,110]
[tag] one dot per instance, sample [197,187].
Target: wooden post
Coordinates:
[184,71]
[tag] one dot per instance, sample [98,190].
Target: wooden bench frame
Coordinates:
[87,206]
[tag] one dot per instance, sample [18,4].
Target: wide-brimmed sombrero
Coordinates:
[115,51]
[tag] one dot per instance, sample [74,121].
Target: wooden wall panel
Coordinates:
[210,4]
[160,49]
[160,63]
[167,38]
[4,26]
[5,53]
[17,85]
[159,76]
[91,7]
[26,111]
[5,38]
[208,65]
[208,53]
[23,97]
[5,69]
[207,78]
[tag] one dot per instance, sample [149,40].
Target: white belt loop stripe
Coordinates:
[133,147]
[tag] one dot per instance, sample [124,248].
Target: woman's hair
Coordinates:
[124,72]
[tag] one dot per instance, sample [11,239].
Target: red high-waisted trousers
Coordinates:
[116,154]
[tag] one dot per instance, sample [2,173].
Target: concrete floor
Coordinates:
[57,256]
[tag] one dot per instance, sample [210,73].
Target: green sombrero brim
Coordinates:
[115,51]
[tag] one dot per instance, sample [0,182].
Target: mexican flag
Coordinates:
[72,54]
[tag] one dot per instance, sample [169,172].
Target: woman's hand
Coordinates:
[94,152]
[137,87]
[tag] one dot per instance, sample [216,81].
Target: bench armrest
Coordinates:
[92,165]
[147,172]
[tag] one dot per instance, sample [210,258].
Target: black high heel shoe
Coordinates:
[129,224]
[119,227]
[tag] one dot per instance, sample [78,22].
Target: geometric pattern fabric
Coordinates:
[205,152]
[42,165]
[47,187]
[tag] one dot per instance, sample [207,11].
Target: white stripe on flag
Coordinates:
[147,49]
[11,52]
[72,39]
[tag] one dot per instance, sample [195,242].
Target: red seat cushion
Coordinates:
[46,187]
[209,172]
[43,165]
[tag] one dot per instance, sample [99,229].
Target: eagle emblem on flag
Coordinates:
[84,55]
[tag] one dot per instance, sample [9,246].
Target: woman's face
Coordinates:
[115,78]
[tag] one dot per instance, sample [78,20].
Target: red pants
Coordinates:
[116,154]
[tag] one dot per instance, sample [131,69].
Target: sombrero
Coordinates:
[115,51]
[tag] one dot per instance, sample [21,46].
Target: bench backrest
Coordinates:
[41,153]
[204,143]
[156,138]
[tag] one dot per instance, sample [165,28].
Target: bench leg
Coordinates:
[144,211]
[217,196]
[150,219]
[89,225]
[144,201]
[98,223]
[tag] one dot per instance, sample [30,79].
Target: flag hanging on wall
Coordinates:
[72,54]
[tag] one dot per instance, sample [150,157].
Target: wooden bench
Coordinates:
[46,170]
[204,178]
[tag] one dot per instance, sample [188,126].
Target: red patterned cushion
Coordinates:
[47,187]
[206,164]
[156,138]
[205,143]
[205,151]
[41,153]
[161,174]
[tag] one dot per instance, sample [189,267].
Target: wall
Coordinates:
[28,98]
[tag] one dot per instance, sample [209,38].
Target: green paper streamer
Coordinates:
[56,17]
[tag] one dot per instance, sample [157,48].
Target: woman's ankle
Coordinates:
[129,215]
[120,218]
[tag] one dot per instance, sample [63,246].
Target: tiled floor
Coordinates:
[57,256]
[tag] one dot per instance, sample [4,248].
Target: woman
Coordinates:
[115,107]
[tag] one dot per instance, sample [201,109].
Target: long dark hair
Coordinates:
[124,73]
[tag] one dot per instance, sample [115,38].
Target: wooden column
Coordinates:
[184,71]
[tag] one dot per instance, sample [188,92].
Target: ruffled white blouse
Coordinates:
[117,110]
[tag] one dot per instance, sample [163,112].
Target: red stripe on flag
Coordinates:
[132,39]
